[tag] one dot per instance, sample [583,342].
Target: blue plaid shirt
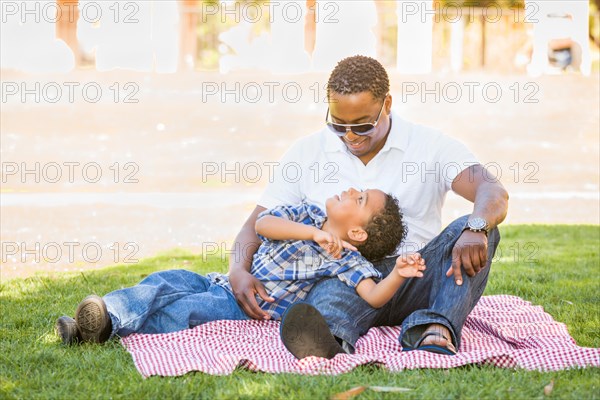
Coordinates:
[290,268]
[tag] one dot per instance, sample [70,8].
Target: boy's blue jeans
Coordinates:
[432,299]
[169,301]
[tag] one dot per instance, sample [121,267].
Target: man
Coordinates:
[365,144]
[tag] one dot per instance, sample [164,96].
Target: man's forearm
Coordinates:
[490,199]
[491,203]
[245,244]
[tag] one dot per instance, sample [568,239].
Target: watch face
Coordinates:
[477,223]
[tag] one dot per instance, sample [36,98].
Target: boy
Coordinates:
[300,246]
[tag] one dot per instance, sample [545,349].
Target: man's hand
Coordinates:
[331,243]
[470,252]
[245,288]
[410,266]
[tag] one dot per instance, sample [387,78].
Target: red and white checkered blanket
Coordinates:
[504,331]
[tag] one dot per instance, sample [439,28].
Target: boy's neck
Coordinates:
[327,226]
[330,228]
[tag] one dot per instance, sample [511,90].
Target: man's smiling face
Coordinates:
[361,108]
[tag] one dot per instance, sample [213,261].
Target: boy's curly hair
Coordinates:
[386,230]
[359,74]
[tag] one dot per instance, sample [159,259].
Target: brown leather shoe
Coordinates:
[93,320]
[304,332]
[67,329]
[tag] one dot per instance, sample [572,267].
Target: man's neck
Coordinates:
[368,157]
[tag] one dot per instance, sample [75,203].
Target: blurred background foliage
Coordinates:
[486,45]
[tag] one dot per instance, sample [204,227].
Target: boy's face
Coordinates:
[350,212]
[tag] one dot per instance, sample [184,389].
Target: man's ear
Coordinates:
[357,235]
[388,106]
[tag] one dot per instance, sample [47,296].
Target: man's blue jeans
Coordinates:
[432,299]
[169,301]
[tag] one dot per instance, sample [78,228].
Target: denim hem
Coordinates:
[348,336]
[115,325]
[415,321]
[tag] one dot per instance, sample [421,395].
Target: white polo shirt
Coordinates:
[417,165]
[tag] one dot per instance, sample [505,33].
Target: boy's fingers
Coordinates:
[329,238]
[348,246]
[415,258]
[330,248]
[339,246]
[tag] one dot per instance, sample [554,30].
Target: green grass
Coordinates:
[553,266]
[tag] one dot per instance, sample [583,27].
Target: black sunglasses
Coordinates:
[358,129]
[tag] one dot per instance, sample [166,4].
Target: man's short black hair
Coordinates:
[359,74]
[385,231]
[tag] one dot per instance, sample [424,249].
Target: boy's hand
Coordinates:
[410,266]
[331,243]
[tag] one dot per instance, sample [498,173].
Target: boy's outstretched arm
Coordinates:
[378,294]
[277,228]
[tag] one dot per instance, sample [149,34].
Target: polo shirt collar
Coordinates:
[398,137]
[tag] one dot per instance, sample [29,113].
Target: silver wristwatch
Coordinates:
[477,225]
